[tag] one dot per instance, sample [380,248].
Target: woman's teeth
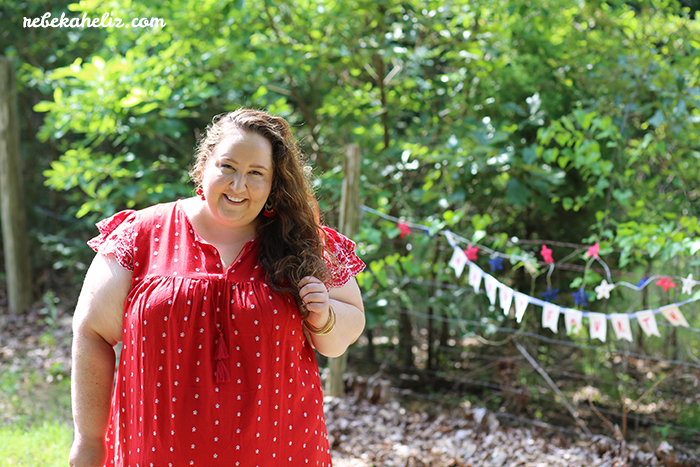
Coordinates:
[234,200]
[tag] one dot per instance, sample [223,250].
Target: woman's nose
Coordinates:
[238,183]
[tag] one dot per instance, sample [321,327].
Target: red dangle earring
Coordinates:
[269,211]
[200,192]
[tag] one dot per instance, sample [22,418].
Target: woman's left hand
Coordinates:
[314,295]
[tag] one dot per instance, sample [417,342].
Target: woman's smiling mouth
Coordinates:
[234,200]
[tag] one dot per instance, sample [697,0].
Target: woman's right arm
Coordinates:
[97,328]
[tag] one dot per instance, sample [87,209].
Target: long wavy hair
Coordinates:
[291,245]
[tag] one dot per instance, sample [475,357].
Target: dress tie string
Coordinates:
[222,373]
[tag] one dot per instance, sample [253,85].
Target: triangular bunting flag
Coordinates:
[521,301]
[574,321]
[491,285]
[458,261]
[474,277]
[647,322]
[599,325]
[621,325]
[505,298]
[550,317]
[674,316]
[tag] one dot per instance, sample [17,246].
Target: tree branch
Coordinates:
[551,383]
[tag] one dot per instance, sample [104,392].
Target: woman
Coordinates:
[218,300]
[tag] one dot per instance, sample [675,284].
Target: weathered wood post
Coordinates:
[13,215]
[349,226]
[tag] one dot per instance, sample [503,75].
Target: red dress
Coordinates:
[168,408]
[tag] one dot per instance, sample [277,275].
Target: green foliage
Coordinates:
[533,120]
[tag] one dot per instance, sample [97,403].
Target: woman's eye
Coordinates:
[255,172]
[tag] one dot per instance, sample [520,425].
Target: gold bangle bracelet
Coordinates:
[327,328]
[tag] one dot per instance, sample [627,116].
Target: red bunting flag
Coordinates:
[593,251]
[404,229]
[547,255]
[472,252]
[666,283]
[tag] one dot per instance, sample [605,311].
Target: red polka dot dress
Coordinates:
[215,369]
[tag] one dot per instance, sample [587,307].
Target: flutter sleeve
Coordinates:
[341,258]
[117,234]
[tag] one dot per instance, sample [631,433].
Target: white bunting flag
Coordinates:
[647,322]
[599,325]
[621,325]
[491,285]
[521,301]
[674,316]
[474,277]
[550,317]
[574,321]
[505,298]
[458,261]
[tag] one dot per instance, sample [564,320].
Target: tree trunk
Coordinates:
[349,225]
[14,217]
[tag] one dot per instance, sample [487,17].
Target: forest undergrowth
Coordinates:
[379,422]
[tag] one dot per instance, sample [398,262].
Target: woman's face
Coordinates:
[237,178]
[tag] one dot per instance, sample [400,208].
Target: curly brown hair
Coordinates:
[291,245]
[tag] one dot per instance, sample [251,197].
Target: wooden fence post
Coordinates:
[14,217]
[349,226]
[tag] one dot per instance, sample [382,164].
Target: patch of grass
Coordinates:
[44,445]
[35,425]
[27,399]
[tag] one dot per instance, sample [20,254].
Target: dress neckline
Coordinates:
[247,246]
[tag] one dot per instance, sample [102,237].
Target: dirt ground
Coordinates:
[408,433]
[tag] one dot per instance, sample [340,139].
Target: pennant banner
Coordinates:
[505,298]
[550,317]
[647,322]
[458,261]
[674,316]
[521,301]
[491,285]
[475,276]
[621,325]
[599,328]
[574,321]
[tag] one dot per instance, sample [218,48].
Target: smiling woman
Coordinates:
[236,184]
[219,301]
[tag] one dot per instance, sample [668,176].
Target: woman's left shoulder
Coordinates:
[341,258]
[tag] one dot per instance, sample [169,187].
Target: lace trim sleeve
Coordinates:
[117,238]
[341,258]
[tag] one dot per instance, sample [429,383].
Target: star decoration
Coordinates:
[547,255]
[593,251]
[496,264]
[404,228]
[642,281]
[580,297]
[666,283]
[604,289]
[472,252]
[688,284]
[550,294]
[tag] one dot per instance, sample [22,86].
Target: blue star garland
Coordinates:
[496,264]
[580,298]
[550,295]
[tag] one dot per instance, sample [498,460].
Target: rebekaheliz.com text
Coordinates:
[107,20]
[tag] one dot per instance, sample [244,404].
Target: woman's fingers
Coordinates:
[314,294]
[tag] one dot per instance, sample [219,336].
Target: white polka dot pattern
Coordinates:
[168,407]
